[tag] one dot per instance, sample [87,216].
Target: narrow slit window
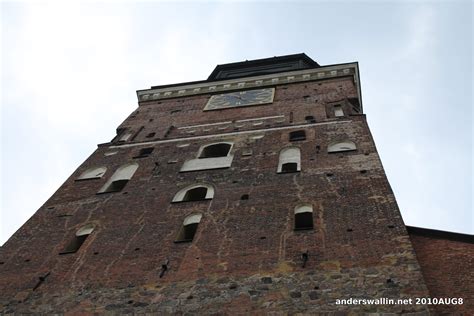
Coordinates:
[77,241]
[304,217]
[215,150]
[297,135]
[338,111]
[189,228]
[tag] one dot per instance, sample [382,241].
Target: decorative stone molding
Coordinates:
[207,163]
[258,134]
[241,83]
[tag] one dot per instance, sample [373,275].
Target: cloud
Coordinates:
[421,28]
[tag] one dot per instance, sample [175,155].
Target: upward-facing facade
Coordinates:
[258,190]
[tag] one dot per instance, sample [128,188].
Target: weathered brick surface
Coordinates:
[447,266]
[300,99]
[245,257]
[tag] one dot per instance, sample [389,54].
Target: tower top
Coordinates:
[258,73]
[263,66]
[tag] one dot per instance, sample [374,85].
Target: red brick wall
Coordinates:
[245,256]
[448,270]
[302,99]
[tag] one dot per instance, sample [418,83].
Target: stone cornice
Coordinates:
[224,135]
[326,72]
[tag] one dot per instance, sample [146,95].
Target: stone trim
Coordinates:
[333,71]
[227,123]
[256,131]
[204,125]
[260,118]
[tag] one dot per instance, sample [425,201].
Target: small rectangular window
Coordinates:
[297,135]
[304,221]
[247,152]
[289,167]
[338,111]
[144,152]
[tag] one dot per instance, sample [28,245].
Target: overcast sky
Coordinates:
[69,73]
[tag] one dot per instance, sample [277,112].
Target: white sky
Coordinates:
[69,73]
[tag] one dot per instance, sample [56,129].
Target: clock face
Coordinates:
[240,98]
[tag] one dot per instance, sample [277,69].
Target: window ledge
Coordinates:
[106,192]
[182,241]
[303,228]
[203,200]
[66,252]
[207,163]
[341,151]
[87,179]
[297,139]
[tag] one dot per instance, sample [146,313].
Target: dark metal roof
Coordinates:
[440,234]
[255,67]
[263,66]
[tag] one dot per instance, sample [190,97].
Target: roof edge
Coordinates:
[172,85]
[214,76]
[440,234]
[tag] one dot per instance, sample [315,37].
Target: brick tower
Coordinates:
[258,190]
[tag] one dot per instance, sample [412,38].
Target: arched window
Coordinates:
[210,156]
[297,135]
[303,217]
[289,160]
[92,173]
[78,240]
[341,146]
[215,150]
[196,192]
[119,179]
[189,228]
